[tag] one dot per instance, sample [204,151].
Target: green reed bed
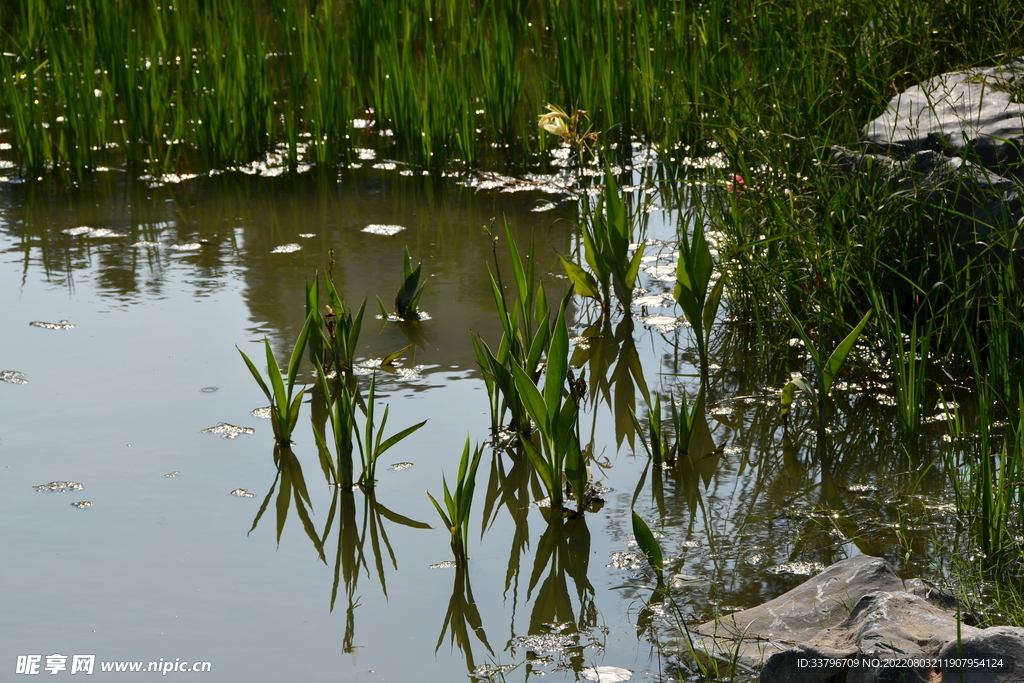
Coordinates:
[191,86]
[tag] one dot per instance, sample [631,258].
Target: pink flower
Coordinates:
[738,184]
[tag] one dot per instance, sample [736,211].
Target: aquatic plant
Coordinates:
[694,292]
[284,402]
[607,234]
[342,405]
[909,355]
[526,332]
[371,446]
[408,298]
[986,467]
[569,127]
[649,546]
[706,668]
[334,336]
[684,422]
[826,369]
[193,86]
[556,419]
[457,504]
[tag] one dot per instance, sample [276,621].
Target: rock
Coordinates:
[1004,644]
[951,150]
[853,619]
[976,114]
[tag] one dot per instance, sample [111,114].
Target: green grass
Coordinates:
[189,86]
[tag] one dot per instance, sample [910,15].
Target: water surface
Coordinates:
[166,567]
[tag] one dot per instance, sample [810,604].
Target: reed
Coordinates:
[910,352]
[196,86]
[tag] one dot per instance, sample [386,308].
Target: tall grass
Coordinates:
[188,85]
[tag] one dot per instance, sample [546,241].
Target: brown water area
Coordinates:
[133,467]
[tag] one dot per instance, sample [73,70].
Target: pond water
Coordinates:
[141,359]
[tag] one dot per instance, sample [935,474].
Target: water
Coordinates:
[139,362]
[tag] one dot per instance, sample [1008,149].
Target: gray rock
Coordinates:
[851,619]
[950,154]
[972,113]
[1004,644]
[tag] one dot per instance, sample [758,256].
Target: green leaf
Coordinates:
[582,281]
[649,546]
[531,397]
[786,399]
[711,306]
[808,389]
[693,307]
[256,375]
[633,271]
[279,398]
[298,350]
[398,437]
[808,344]
[558,365]
[447,520]
[389,360]
[408,296]
[523,277]
[293,410]
[576,471]
[838,357]
[552,480]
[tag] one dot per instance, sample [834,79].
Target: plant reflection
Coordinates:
[292,487]
[462,617]
[514,489]
[353,532]
[601,347]
[563,551]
